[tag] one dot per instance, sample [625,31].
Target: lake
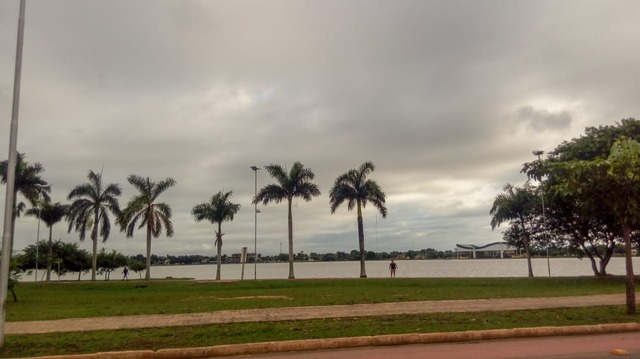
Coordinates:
[560,267]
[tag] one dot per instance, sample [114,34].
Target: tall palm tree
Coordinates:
[143,208]
[27,182]
[354,188]
[50,214]
[516,205]
[216,211]
[90,209]
[296,183]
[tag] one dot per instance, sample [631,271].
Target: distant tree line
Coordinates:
[301,256]
[68,258]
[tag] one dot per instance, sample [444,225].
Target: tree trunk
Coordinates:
[594,265]
[363,272]
[603,266]
[218,251]
[94,238]
[607,257]
[631,287]
[147,276]
[527,249]
[49,254]
[291,276]
[219,257]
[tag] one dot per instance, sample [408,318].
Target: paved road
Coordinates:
[565,347]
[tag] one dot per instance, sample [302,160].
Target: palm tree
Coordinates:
[27,182]
[90,209]
[50,214]
[354,188]
[516,205]
[296,183]
[150,214]
[216,211]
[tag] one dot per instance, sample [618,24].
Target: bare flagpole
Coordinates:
[7,239]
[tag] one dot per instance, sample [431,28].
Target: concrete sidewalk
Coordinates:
[302,313]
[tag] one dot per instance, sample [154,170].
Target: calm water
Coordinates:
[560,267]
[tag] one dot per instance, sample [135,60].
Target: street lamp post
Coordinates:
[544,226]
[255,223]
[37,240]
[39,207]
[7,236]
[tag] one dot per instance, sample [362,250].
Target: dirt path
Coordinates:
[302,313]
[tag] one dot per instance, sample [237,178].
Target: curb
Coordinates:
[354,342]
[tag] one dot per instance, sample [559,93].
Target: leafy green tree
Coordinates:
[516,205]
[15,271]
[68,257]
[411,254]
[50,214]
[137,266]
[27,182]
[109,262]
[143,209]
[328,257]
[219,209]
[342,256]
[354,255]
[584,226]
[89,210]
[71,258]
[615,183]
[296,183]
[301,257]
[354,188]
[577,216]
[28,256]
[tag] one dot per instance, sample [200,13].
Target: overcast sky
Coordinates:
[447,98]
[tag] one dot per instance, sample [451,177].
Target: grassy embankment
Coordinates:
[44,301]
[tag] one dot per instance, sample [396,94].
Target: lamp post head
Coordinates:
[42,187]
[255,168]
[537,153]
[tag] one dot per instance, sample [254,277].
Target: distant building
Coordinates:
[491,250]
[237,258]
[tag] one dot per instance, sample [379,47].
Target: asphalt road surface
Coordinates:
[622,345]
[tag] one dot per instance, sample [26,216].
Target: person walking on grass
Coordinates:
[125,273]
[392,268]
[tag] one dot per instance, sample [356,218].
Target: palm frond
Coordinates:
[353,187]
[142,211]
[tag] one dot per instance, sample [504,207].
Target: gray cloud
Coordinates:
[541,120]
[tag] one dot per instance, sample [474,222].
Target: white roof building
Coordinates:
[491,250]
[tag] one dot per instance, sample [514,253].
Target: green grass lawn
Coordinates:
[56,300]
[89,299]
